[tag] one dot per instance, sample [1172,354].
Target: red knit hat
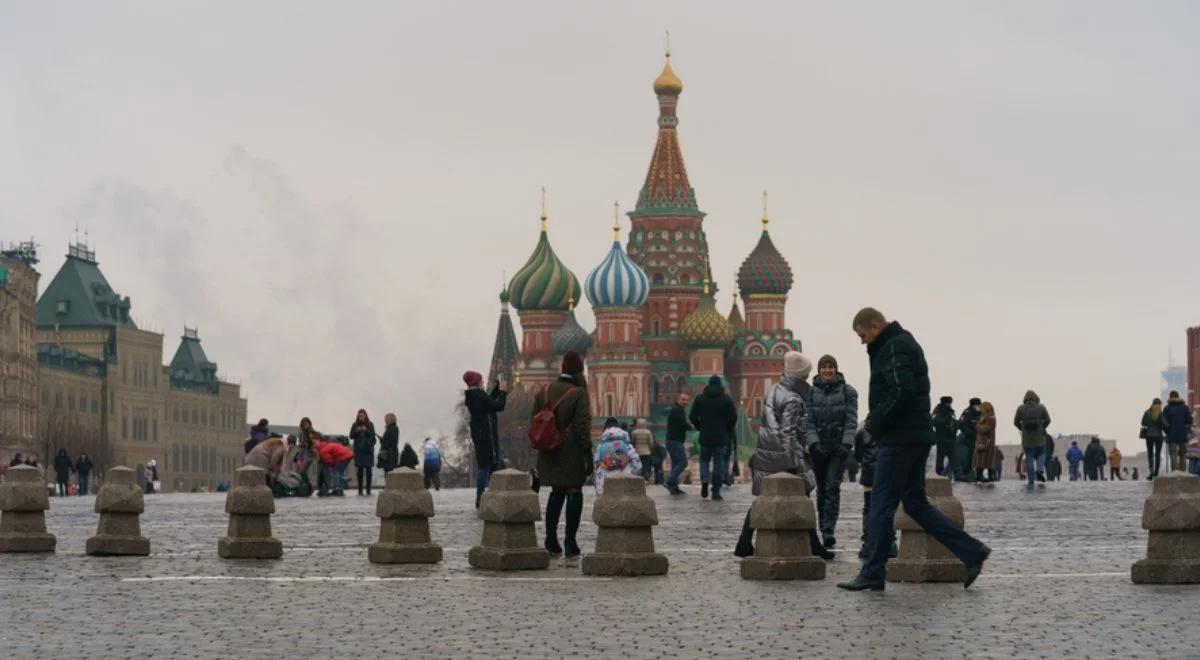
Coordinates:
[572,364]
[472,378]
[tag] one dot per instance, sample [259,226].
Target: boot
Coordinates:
[369,482]
[745,544]
[574,514]
[704,490]
[554,508]
[818,550]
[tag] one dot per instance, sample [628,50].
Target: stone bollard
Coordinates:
[23,504]
[1172,515]
[625,516]
[119,504]
[783,518]
[508,510]
[922,558]
[404,508]
[249,505]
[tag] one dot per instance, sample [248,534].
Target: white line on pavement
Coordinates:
[351,578]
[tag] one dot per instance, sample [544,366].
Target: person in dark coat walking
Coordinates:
[945,424]
[1177,418]
[566,467]
[832,423]
[715,416]
[899,421]
[1094,458]
[485,427]
[389,446]
[864,451]
[83,469]
[966,439]
[362,437]
[62,471]
[677,428]
[1153,431]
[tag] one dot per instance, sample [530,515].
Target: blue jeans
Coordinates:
[335,479]
[1073,470]
[83,479]
[900,478]
[679,461]
[482,478]
[1033,458]
[719,457]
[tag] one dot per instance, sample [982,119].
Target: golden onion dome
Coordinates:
[706,327]
[667,83]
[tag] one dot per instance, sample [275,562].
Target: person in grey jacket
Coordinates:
[832,422]
[781,441]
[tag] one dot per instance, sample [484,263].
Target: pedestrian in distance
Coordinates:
[945,424]
[829,438]
[643,444]
[781,443]
[335,458]
[362,436]
[715,416]
[1114,465]
[485,427]
[1074,458]
[62,471]
[966,437]
[677,429]
[1094,458]
[566,467]
[17,460]
[1031,419]
[389,445]
[408,457]
[1177,418]
[83,470]
[614,455]
[984,459]
[432,464]
[259,432]
[1153,432]
[898,419]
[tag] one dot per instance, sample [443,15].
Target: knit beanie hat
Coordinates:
[827,360]
[572,364]
[947,400]
[714,380]
[794,363]
[975,401]
[473,378]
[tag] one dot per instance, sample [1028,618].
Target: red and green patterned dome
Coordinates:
[765,270]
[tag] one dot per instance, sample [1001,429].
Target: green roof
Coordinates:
[79,295]
[191,368]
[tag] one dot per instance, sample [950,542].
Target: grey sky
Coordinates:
[332,190]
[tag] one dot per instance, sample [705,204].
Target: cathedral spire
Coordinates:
[667,188]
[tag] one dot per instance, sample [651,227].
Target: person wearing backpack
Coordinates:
[485,427]
[564,446]
[715,416]
[1031,420]
[433,464]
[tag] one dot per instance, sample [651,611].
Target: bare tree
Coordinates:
[514,430]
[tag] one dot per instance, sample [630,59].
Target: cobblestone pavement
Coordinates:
[1057,586]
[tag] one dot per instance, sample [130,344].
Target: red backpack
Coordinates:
[544,434]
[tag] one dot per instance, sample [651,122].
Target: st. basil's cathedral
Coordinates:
[658,332]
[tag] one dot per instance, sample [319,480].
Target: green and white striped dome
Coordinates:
[544,282]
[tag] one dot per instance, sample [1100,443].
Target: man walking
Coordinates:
[898,418]
[966,450]
[1177,417]
[944,424]
[1031,419]
[677,428]
[715,416]
[1074,457]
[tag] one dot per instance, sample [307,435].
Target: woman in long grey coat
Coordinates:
[780,443]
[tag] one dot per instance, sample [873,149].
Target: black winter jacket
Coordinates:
[677,424]
[715,416]
[62,468]
[899,395]
[1177,417]
[389,448]
[408,457]
[485,429]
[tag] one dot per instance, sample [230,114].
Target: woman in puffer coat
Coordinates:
[781,443]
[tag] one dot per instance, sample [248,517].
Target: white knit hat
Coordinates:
[796,364]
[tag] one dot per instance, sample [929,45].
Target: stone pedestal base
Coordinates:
[783,568]
[923,559]
[1172,557]
[502,559]
[35,542]
[627,564]
[116,546]
[246,548]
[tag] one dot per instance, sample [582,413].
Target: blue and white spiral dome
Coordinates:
[617,281]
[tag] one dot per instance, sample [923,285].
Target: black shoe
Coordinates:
[830,542]
[551,545]
[861,583]
[717,495]
[743,550]
[863,553]
[893,551]
[976,567]
[1040,476]
[322,493]
[703,490]
[572,549]
[676,490]
[827,555]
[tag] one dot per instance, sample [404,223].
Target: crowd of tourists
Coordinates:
[309,462]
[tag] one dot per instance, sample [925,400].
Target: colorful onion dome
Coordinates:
[706,327]
[617,281]
[571,336]
[544,282]
[667,83]
[765,270]
[504,295]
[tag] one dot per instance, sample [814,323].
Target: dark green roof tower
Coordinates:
[80,296]
[190,368]
[506,350]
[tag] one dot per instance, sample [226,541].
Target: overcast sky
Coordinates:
[331,191]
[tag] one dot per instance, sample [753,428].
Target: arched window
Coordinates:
[653,384]
[656,325]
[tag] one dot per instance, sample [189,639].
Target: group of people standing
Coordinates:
[1172,424]
[63,466]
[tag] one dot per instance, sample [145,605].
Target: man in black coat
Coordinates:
[485,428]
[715,416]
[677,428]
[899,422]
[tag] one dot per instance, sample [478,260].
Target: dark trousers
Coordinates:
[83,484]
[647,465]
[1114,473]
[943,463]
[678,456]
[1177,452]
[966,455]
[828,465]
[62,489]
[573,498]
[433,478]
[900,478]
[482,478]
[363,475]
[1154,454]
